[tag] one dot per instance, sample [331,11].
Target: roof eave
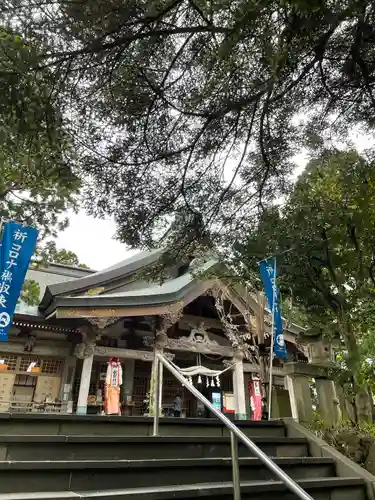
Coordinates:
[97,279]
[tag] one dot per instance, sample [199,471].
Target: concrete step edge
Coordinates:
[201,490]
[55,417]
[155,463]
[54,438]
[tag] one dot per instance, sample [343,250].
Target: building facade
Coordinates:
[85,318]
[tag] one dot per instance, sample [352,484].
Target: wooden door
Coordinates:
[47,387]
[22,395]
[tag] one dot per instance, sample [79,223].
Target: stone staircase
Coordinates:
[59,457]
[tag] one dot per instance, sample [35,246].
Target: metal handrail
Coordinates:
[235,433]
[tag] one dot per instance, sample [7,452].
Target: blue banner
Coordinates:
[17,247]
[268,273]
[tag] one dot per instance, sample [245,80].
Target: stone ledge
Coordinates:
[130,420]
[307,369]
[345,467]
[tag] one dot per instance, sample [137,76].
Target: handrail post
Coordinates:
[235,467]
[156,396]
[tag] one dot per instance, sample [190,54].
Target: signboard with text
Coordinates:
[17,247]
[228,402]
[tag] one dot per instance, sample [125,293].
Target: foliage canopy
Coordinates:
[188,112]
[328,226]
[36,183]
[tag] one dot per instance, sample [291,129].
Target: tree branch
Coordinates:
[96,46]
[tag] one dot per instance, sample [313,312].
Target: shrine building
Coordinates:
[57,353]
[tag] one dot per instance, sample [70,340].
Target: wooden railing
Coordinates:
[32,406]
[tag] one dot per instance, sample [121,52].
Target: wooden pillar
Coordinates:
[67,384]
[160,341]
[163,323]
[85,350]
[239,386]
[128,381]
[84,385]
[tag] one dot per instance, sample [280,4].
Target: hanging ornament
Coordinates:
[212,382]
[217,381]
[199,379]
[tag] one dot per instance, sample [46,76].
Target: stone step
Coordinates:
[94,475]
[137,448]
[55,424]
[319,489]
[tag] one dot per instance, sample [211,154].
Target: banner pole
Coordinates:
[272,343]
[2,222]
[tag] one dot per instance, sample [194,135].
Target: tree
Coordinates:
[37,184]
[188,108]
[327,227]
[30,293]
[45,255]
[49,254]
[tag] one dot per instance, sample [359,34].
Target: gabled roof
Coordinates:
[118,290]
[119,287]
[181,289]
[111,274]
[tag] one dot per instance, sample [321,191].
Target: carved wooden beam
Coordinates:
[92,312]
[187,321]
[115,352]
[168,318]
[181,344]
[40,349]
[103,323]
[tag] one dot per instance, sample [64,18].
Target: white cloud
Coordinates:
[92,240]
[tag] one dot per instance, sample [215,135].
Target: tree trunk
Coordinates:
[363,407]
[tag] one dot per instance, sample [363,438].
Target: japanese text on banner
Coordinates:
[269,277]
[17,247]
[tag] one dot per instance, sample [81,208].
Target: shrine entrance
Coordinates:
[23,391]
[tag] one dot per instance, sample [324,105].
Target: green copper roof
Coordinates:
[95,280]
[170,291]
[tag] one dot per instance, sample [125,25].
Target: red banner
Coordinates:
[255,394]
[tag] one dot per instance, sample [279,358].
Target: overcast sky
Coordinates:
[92,239]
